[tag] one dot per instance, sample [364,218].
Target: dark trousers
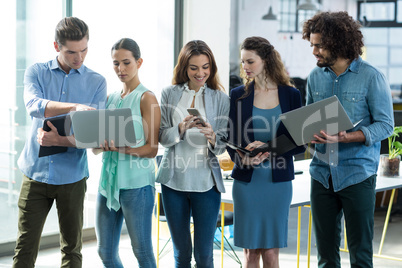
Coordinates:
[35,202]
[357,204]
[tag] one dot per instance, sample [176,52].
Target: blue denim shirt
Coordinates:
[365,94]
[44,82]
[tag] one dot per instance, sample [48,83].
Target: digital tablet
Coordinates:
[276,147]
[63,125]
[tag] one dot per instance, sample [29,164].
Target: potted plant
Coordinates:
[390,162]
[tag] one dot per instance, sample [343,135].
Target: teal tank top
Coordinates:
[123,171]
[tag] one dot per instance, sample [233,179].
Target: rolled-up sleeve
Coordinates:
[381,110]
[33,93]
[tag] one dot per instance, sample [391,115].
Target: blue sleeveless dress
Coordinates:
[261,207]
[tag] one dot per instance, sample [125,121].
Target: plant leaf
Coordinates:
[398,145]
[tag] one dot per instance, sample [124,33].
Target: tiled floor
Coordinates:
[50,258]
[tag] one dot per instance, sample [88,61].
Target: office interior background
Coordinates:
[161,27]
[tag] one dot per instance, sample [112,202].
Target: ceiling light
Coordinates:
[308,5]
[269,15]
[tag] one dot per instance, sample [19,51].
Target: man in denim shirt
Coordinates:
[53,88]
[344,166]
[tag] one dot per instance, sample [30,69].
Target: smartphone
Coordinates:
[195,112]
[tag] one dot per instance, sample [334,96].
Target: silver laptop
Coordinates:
[92,128]
[328,115]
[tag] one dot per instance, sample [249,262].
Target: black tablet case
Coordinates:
[63,125]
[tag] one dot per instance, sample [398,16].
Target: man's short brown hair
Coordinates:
[71,28]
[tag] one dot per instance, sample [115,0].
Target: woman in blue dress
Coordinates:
[262,190]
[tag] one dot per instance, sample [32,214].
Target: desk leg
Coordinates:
[345,246]
[298,236]
[384,232]
[158,197]
[310,220]
[345,239]
[222,231]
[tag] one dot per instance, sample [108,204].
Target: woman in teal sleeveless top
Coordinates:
[127,183]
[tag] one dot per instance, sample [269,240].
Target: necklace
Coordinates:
[267,89]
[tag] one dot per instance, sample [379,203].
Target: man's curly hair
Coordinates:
[340,33]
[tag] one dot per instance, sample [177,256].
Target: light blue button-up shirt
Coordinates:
[365,94]
[44,82]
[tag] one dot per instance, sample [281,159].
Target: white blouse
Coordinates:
[192,172]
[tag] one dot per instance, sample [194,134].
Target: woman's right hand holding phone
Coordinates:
[187,123]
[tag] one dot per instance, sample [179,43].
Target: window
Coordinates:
[382,30]
[384,50]
[386,13]
[30,36]
[291,19]
[29,32]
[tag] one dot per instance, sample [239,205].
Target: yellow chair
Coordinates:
[226,164]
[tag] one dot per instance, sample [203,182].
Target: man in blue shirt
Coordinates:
[344,166]
[50,89]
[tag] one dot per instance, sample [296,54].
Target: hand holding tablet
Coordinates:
[276,147]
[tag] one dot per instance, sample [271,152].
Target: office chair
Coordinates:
[161,217]
[301,85]
[228,221]
[226,164]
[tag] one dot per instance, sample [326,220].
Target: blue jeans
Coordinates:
[204,208]
[136,208]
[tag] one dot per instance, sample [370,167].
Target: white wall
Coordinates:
[209,20]
[150,23]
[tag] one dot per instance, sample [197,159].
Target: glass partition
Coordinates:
[29,34]
[29,30]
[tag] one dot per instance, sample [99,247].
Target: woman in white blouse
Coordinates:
[189,171]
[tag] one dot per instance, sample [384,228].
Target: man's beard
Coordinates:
[326,61]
